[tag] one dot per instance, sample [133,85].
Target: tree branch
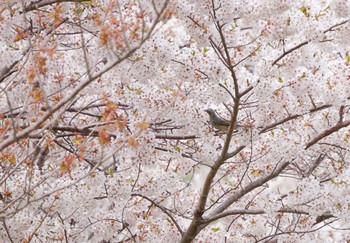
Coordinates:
[234,153]
[292,117]
[249,212]
[285,53]
[176,137]
[273,125]
[315,164]
[7,71]
[336,25]
[42,3]
[164,210]
[306,42]
[328,132]
[225,57]
[253,185]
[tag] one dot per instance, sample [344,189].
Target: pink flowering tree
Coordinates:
[104,135]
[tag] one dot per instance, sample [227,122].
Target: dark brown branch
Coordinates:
[245,58]
[233,212]
[176,137]
[246,91]
[224,55]
[291,117]
[320,108]
[10,113]
[226,59]
[71,129]
[195,22]
[7,231]
[312,101]
[42,3]
[94,133]
[307,42]
[218,52]
[336,25]
[250,212]
[7,71]
[315,164]
[234,153]
[285,53]
[328,132]
[160,123]
[223,86]
[273,125]
[336,146]
[181,63]
[201,72]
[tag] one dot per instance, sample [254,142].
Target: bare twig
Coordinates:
[315,164]
[336,25]
[253,185]
[230,93]
[176,137]
[285,53]
[164,210]
[7,231]
[327,132]
[275,124]
[7,71]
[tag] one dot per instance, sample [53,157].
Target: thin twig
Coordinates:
[161,208]
[327,132]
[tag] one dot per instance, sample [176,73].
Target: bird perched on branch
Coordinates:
[218,122]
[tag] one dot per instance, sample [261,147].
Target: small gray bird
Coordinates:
[217,122]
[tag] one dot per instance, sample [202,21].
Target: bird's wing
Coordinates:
[223,122]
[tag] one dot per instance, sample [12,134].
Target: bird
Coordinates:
[217,122]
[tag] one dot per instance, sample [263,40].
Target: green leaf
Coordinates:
[347,57]
[169,221]
[136,91]
[109,171]
[216,229]
[338,206]
[305,11]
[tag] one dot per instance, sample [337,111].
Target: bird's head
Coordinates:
[217,122]
[211,112]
